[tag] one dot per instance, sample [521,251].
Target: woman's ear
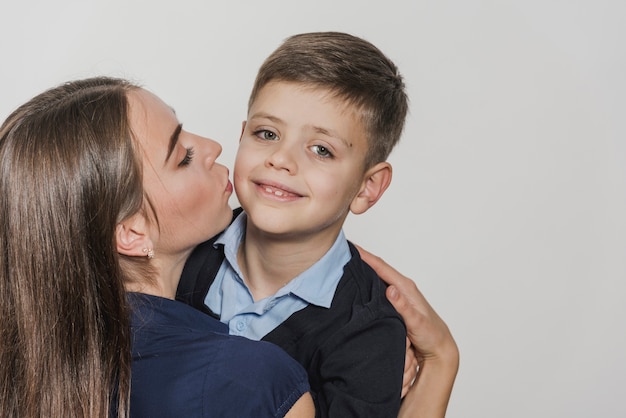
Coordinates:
[375,182]
[132,236]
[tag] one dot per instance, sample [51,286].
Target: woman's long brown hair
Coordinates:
[68,175]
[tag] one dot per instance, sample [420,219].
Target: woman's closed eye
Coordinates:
[187,158]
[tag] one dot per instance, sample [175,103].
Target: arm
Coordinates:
[303,408]
[435,349]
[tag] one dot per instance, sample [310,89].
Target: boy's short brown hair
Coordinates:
[352,68]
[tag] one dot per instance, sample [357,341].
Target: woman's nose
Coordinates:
[215,146]
[212,149]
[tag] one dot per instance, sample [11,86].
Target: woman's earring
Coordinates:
[149,252]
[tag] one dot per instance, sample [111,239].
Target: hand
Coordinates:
[436,351]
[410,368]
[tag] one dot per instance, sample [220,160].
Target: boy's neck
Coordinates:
[268,263]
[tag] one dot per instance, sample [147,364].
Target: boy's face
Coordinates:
[300,161]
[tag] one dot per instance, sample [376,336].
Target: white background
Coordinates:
[509,195]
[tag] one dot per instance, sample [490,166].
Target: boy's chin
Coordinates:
[271,224]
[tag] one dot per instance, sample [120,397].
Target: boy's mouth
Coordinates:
[278,191]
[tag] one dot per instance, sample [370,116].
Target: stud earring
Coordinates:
[149,252]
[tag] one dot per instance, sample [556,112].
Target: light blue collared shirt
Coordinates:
[230,298]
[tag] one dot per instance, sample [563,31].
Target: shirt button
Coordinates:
[240,326]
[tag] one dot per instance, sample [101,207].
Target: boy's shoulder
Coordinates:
[361,283]
[358,304]
[353,351]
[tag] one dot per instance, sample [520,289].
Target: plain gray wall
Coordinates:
[509,193]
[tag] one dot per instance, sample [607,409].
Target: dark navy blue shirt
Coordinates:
[186,365]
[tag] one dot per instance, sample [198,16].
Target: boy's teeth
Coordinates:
[275,192]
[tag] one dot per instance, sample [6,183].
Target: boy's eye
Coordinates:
[321,151]
[266,135]
[187,159]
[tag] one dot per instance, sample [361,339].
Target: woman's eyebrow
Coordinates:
[173,141]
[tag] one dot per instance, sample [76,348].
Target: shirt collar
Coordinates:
[316,285]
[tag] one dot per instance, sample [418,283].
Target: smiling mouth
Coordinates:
[277,191]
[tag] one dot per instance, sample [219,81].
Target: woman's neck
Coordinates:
[167,271]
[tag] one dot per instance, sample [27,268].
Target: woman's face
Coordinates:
[187,189]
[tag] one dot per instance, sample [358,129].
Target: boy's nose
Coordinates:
[282,158]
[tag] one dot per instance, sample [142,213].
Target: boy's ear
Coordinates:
[375,182]
[132,238]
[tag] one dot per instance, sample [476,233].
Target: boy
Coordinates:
[324,113]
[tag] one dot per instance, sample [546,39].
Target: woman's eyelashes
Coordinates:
[187,158]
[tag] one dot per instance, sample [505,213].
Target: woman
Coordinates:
[102,192]
[90,171]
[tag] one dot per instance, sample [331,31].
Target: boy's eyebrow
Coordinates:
[266,116]
[332,134]
[173,141]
